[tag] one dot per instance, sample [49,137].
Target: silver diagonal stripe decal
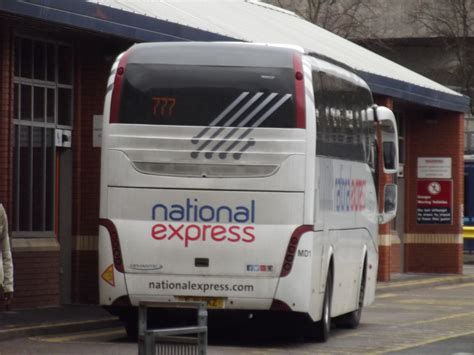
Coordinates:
[229,108]
[229,122]
[244,122]
[256,124]
[238,155]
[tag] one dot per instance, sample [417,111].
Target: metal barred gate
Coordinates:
[172,341]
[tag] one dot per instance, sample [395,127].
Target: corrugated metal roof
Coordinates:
[260,22]
[242,20]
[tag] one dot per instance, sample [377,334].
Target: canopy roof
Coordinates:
[238,20]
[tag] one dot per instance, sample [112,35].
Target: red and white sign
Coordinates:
[434,201]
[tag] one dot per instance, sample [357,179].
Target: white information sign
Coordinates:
[97,131]
[434,168]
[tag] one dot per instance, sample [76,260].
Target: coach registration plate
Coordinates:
[212,302]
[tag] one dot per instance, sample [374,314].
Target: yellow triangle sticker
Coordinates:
[108,275]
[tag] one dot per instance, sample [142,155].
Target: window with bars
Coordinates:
[469,135]
[43,92]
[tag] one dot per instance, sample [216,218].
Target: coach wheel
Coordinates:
[130,323]
[323,327]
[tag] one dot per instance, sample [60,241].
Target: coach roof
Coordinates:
[214,53]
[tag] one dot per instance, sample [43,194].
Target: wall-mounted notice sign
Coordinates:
[434,201]
[97,131]
[434,168]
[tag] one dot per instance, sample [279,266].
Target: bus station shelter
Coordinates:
[55,58]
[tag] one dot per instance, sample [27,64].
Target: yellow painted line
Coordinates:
[51,325]
[459,315]
[433,302]
[118,331]
[387,295]
[423,282]
[421,343]
[470,284]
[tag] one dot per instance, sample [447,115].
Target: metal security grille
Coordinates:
[176,345]
[172,341]
[43,101]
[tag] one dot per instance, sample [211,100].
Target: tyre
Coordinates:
[323,327]
[130,323]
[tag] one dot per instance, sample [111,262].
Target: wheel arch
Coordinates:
[328,267]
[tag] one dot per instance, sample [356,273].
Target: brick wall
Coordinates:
[395,258]
[84,279]
[434,248]
[36,270]
[6,86]
[91,76]
[385,257]
[94,58]
[434,258]
[384,263]
[36,279]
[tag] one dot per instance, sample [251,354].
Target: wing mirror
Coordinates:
[389,134]
[390,196]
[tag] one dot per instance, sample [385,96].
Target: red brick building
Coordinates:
[55,58]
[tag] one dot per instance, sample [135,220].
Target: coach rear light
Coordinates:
[117,90]
[292,248]
[299,91]
[114,241]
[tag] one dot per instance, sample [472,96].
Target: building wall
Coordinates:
[36,273]
[434,248]
[395,255]
[36,259]
[94,59]
[386,230]
[6,87]
[431,248]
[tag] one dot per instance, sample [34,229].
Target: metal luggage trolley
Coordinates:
[171,341]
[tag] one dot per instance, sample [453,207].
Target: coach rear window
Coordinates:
[188,95]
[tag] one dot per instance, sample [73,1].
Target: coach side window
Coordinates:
[341,120]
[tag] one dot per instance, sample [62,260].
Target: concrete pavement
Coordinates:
[74,318]
[409,281]
[64,319]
